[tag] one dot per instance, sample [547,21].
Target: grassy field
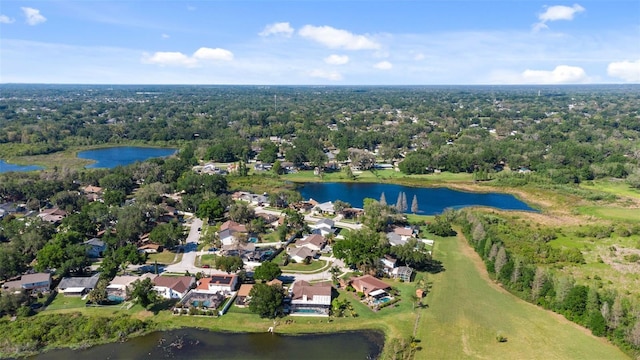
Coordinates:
[611,213]
[466,312]
[165,257]
[619,188]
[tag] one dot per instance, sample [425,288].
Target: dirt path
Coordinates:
[468,251]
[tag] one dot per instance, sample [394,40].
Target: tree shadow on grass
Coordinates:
[164,304]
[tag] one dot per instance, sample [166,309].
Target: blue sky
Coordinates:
[419,42]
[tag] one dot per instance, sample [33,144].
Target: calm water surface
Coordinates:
[203,344]
[122,155]
[6,167]
[430,200]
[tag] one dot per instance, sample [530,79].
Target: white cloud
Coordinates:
[557,12]
[418,57]
[165,36]
[383,65]
[175,58]
[213,54]
[626,70]
[281,28]
[334,59]
[337,38]
[562,74]
[191,8]
[33,16]
[4,19]
[329,75]
[169,58]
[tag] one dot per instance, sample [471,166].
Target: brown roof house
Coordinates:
[310,299]
[53,215]
[173,287]
[242,298]
[368,284]
[314,242]
[30,282]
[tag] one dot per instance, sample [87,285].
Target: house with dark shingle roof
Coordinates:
[78,286]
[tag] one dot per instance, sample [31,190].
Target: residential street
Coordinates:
[187,263]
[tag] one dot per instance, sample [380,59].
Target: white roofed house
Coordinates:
[323,227]
[325,208]
[310,299]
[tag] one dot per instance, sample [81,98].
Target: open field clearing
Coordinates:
[466,311]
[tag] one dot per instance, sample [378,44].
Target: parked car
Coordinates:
[205,266]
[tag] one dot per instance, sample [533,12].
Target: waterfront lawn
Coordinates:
[61,302]
[166,257]
[467,311]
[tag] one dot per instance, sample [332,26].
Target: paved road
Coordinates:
[190,250]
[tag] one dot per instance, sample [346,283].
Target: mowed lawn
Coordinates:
[466,312]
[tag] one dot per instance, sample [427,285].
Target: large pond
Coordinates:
[6,167]
[430,200]
[122,155]
[203,344]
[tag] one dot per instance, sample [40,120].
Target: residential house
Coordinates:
[218,283]
[173,287]
[314,242]
[389,262]
[368,284]
[121,286]
[243,298]
[151,248]
[92,193]
[95,247]
[323,227]
[78,286]
[395,239]
[325,208]
[228,231]
[53,215]
[37,282]
[352,213]
[310,299]
[300,254]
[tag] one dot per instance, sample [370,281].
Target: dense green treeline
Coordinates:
[521,259]
[567,134]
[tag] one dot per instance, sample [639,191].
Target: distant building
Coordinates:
[37,282]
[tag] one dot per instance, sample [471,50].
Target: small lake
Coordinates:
[431,201]
[203,344]
[122,155]
[6,167]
